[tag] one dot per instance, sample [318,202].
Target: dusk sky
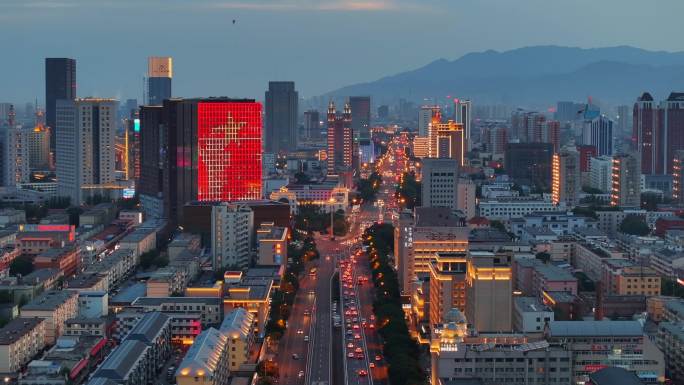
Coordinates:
[320,44]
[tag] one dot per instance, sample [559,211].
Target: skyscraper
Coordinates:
[15,155]
[208,149]
[361,116]
[566,183]
[159,75]
[450,141]
[598,132]
[462,114]
[671,125]
[626,189]
[281,112]
[152,161]
[425,118]
[440,183]
[658,132]
[312,124]
[340,140]
[529,163]
[624,121]
[85,146]
[488,291]
[60,83]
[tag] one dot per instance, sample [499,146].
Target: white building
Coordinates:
[530,315]
[231,231]
[440,183]
[85,146]
[93,304]
[504,209]
[566,181]
[600,173]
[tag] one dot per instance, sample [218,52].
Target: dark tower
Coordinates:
[60,83]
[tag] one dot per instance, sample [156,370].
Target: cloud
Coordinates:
[313,5]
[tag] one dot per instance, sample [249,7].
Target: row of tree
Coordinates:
[401,351]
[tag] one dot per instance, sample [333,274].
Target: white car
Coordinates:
[301,374]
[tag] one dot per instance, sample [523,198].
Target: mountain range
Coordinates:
[533,77]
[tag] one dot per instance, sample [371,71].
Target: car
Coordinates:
[301,374]
[358,350]
[378,358]
[350,345]
[349,332]
[371,365]
[306,338]
[295,356]
[357,336]
[359,356]
[356,326]
[362,373]
[307,312]
[350,355]
[371,326]
[311,292]
[300,331]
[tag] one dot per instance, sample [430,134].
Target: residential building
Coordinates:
[495,140]
[140,241]
[623,277]
[231,235]
[272,245]
[206,361]
[93,304]
[281,110]
[312,124]
[55,307]
[601,173]
[82,326]
[67,259]
[666,262]
[530,315]
[128,364]
[208,308]
[466,197]
[85,147]
[508,208]
[670,339]
[440,183]
[238,327]
[20,340]
[489,288]
[534,277]
[566,183]
[251,291]
[60,84]
[626,187]
[425,119]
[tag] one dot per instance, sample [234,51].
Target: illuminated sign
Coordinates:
[128,193]
[136,125]
[61,228]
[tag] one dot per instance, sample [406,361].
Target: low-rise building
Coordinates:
[272,245]
[530,315]
[86,282]
[10,216]
[141,240]
[167,281]
[505,209]
[115,267]
[206,362]
[209,308]
[666,262]
[534,277]
[55,307]
[622,277]
[82,326]
[185,327]
[238,327]
[670,339]
[599,344]
[20,340]
[25,289]
[93,304]
[252,294]
[65,258]
[589,257]
[128,364]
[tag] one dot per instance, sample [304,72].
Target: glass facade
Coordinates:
[229,151]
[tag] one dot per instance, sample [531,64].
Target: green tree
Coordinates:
[74,213]
[543,256]
[634,225]
[497,225]
[21,265]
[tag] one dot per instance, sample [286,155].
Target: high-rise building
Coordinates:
[281,109]
[551,134]
[312,124]
[601,173]
[4,113]
[383,113]
[566,183]
[489,291]
[39,147]
[208,149]
[361,116]
[529,163]
[624,121]
[466,195]
[60,83]
[598,132]
[231,232]
[658,132]
[440,183]
[586,153]
[626,186]
[566,111]
[644,134]
[528,126]
[340,140]
[152,161]
[495,140]
[14,151]
[450,141]
[678,177]
[447,281]
[425,118]
[85,146]
[462,115]
[671,126]
[159,75]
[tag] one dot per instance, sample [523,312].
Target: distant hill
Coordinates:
[534,76]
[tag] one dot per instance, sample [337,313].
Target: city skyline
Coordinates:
[202,39]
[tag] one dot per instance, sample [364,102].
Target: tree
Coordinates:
[74,214]
[543,256]
[149,258]
[634,225]
[591,190]
[21,265]
[498,225]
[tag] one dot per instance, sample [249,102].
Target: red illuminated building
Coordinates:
[658,132]
[340,140]
[209,149]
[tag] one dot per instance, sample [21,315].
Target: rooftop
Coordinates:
[204,354]
[17,328]
[158,301]
[84,281]
[530,304]
[41,275]
[594,328]
[121,361]
[238,323]
[614,376]
[149,327]
[49,300]
[436,217]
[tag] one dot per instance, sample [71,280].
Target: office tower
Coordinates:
[447,282]
[39,145]
[4,113]
[671,126]
[312,124]
[361,116]
[624,121]
[566,183]
[678,177]
[208,149]
[529,163]
[551,134]
[450,141]
[440,183]
[467,202]
[159,75]
[280,135]
[60,83]
[231,235]
[566,111]
[383,113]
[626,178]
[489,291]
[85,146]
[340,140]
[15,155]
[462,115]
[644,134]
[152,161]
[601,173]
[598,132]
[495,140]
[425,118]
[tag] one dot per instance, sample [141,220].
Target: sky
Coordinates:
[320,44]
